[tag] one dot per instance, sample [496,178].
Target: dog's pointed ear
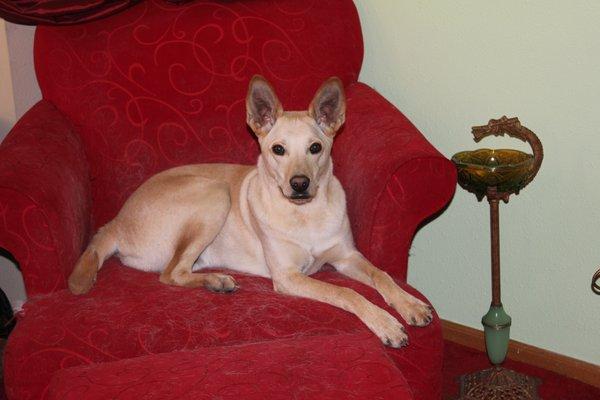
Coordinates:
[262,106]
[328,107]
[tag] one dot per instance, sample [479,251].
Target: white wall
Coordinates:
[25,86]
[449,65]
[18,92]
[7,103]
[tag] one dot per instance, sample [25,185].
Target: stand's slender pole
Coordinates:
[496,322]
[495,240]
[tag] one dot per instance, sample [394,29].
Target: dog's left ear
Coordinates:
[328,107]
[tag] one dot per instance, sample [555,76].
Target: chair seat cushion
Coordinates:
[322,367]
[129,314]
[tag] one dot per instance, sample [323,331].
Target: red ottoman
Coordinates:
[130,314]
[327,367]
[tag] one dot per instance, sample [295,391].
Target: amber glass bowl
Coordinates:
[505,169]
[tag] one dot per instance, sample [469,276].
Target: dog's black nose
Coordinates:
[299,183]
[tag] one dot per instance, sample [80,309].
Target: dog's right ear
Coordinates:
[262,106]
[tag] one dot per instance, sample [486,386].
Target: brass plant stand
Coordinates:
[496,174]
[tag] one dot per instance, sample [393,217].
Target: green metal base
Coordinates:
[496,325]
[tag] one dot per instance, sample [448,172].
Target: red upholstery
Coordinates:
[388,169]
[162,85]
[130,313]
[330,367]
[44,197]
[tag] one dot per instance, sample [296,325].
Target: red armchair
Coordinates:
[163,85]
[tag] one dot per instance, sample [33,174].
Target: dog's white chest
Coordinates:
[318,238]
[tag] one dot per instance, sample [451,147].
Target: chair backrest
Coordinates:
[161,85]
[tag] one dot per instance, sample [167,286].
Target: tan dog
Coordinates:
[283,218]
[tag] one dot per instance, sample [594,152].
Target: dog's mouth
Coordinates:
[297,198]
[300,198]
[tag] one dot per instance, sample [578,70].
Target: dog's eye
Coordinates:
[315,148]
[278,150]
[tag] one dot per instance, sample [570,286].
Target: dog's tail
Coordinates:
[102,246]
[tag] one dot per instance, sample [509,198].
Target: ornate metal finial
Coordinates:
[513,128]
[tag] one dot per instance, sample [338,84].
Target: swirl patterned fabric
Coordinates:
[162,85]
[44,197]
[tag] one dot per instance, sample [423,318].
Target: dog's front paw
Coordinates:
[415,312]
[387,328]
[221,283]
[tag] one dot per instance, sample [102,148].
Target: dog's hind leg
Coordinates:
[179,270]
[102,246]
[195,236]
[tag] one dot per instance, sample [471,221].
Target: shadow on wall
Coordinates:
[5,127]
[26,91]
[11,280]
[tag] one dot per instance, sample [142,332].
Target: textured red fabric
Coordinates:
[44,197]
[326,367]
[160,85]
[129,313]
[393,177]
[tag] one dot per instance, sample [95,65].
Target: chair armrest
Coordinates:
[393,177]
[45,197]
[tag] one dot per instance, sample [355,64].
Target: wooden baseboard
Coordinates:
[517,351]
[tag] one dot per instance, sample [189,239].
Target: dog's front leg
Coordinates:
[383,324]
[353,264]
[285,259]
